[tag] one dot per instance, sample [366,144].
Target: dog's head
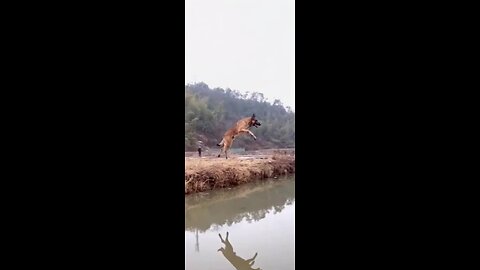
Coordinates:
[254,122]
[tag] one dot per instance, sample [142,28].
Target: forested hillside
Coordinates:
[210,112]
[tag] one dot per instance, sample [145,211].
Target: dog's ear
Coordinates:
[253,116]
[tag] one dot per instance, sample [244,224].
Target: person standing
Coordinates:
[199,148]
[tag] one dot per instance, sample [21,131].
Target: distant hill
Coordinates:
[210,112]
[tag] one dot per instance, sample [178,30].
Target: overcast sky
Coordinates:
[245,45]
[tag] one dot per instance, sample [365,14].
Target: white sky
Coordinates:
[245,45]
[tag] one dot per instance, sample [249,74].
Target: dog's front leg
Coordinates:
[251,260]
[221,239]
[249,132]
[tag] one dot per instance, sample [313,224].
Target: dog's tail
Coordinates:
[221,143]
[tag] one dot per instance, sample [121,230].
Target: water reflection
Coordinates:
[226,207]
[197,245]
[238,262]
[259,217]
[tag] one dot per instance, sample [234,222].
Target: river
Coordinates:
[259,219]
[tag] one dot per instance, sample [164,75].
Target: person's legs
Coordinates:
[199,152]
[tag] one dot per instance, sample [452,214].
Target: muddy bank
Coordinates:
[202,174]
[213,152]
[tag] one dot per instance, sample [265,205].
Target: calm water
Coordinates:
[259,218]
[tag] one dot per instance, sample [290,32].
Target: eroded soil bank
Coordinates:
[202,174]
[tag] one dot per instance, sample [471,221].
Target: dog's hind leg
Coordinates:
[225,148]
[221,144]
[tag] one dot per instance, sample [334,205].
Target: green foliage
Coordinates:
[210,112]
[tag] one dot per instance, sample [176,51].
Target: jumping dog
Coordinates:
[242,126]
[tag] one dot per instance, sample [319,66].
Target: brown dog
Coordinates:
[238,262]
[242,126]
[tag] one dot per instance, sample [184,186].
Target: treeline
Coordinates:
[210,112]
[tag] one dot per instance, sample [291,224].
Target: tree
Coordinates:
[210,112]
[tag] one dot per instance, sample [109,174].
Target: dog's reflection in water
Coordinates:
[238,262]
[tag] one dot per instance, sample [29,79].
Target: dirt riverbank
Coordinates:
[202,174]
